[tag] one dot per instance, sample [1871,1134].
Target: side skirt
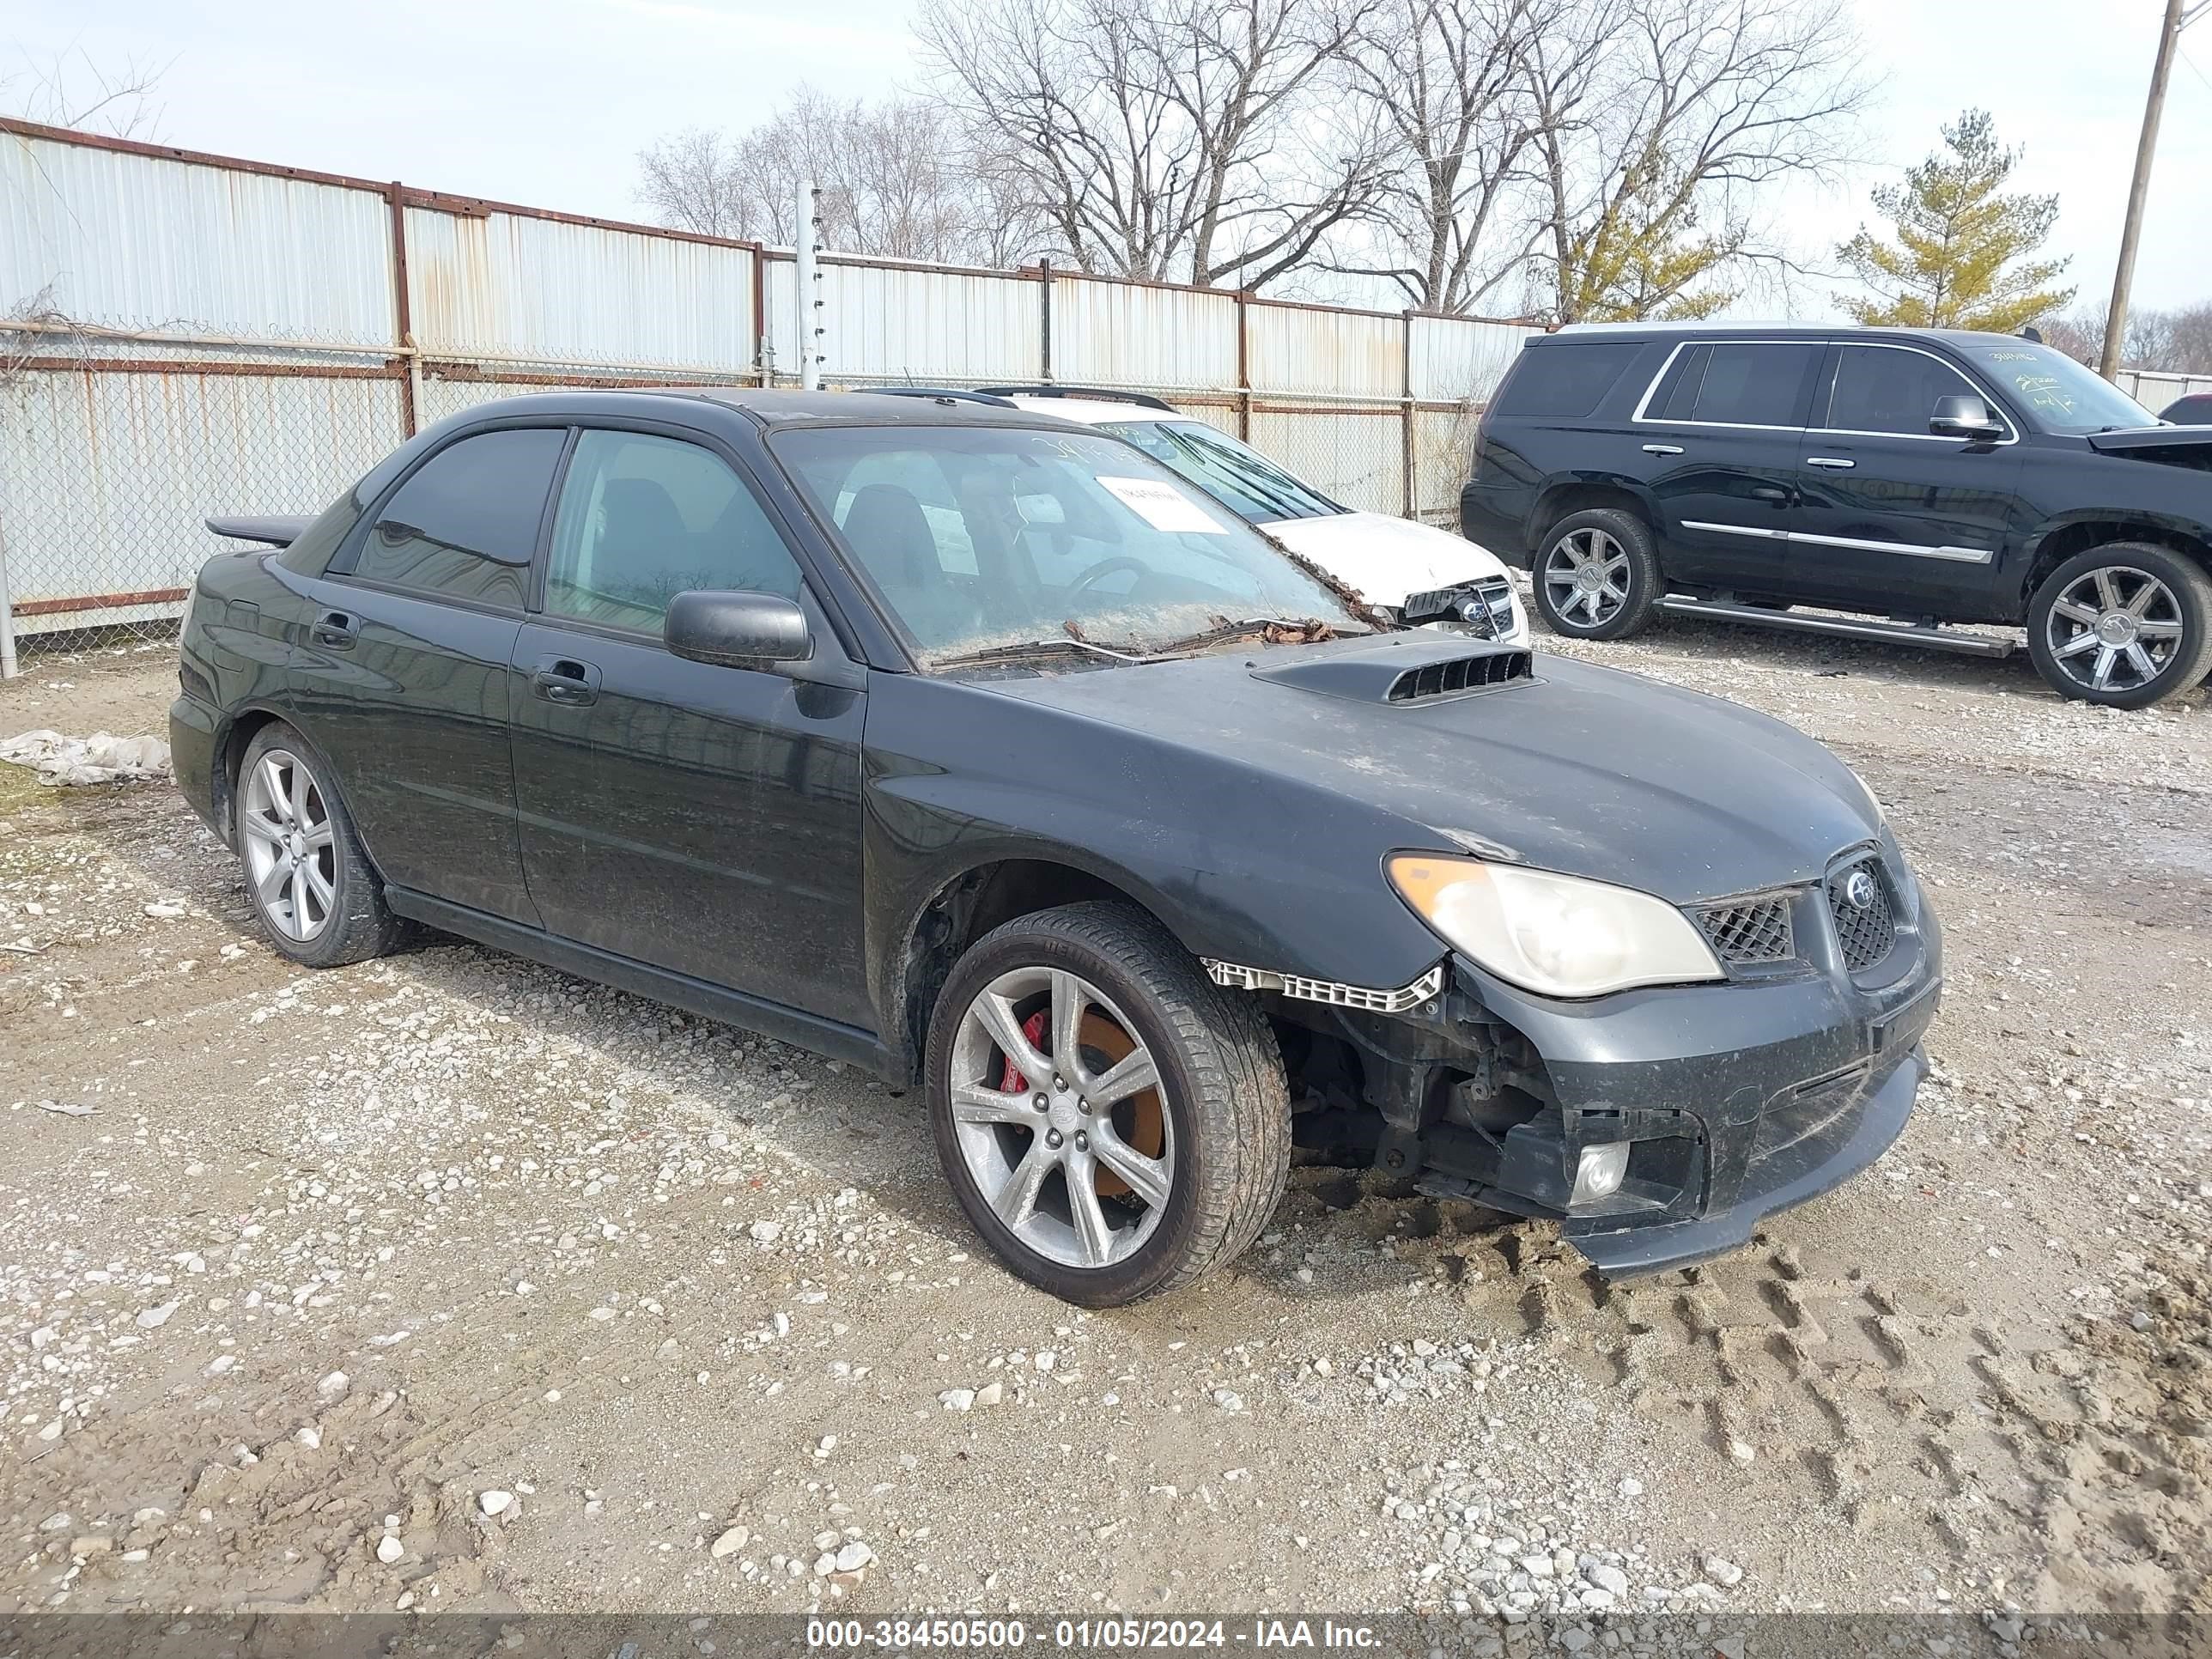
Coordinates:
[695,996]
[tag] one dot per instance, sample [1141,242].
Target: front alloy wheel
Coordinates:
[1114,1123]
[1057,1110]
[2113,628]
[1598,576]
[2127,624]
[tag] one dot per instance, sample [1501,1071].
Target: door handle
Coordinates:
[566,681]
[336,629]
[1833,463]
[1774,493]
[1663,449]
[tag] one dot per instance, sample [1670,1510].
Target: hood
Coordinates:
[2178,446]
[1385,558]
[1559,764]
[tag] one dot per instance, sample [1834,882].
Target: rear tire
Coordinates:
[1207,1149]
[1596,576]
[2124,625]
[313,891]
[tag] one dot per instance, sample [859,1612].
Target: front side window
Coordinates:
[1735,383]
[2057,393]
[1240,477]
[981,537]
[643,519]
[1886,389]
[464,524]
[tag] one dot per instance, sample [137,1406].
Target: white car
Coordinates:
[1389,560]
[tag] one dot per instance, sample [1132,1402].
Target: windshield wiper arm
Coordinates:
[1021,649]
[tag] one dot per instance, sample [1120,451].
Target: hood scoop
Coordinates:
[1435,669]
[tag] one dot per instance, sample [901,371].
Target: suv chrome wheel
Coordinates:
[291,851]
[1587,571]
[2114,628]
[1055,1104]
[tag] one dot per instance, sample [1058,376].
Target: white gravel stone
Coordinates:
[957,1399]
[853,1556]
[389,1549]
[730,1541]
[495,1502]
[765,1232]
[153,1318]
[1723,1571]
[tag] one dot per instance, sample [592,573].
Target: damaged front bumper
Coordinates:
[1657,1127]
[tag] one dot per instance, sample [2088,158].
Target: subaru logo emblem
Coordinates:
[1859,890]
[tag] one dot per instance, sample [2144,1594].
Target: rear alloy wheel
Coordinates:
[313,889]
[1597,578]
[1113,1124]
[2126,625]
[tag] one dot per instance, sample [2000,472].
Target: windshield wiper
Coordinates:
[1021,650]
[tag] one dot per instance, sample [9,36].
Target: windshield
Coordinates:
[2058,394]
[1245,481]
[979,537]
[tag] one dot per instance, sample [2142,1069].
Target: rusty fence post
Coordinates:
[403,325]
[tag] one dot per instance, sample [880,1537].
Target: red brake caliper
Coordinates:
[1012,1082]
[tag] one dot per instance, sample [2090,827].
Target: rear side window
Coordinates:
[1732,383]
[465,525]
[1564,382]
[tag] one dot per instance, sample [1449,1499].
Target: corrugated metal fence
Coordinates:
[2154,388]
[184,334]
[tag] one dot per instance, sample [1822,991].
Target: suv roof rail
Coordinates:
[1142,399]
[956,393]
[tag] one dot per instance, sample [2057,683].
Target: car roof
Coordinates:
[778,408]
[1844,331]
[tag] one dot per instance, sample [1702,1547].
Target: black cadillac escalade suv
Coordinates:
[1916,476]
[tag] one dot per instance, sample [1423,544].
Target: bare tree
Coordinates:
[2167,342]
[1192,139]
[1658,121]
[1447,81]
[70,89]
[899,179]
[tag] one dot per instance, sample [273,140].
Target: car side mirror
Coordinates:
[736,628]
[1960,414]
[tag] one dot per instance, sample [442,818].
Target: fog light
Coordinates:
[1600,1172]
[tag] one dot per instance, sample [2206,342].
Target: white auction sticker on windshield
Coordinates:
[1164,506]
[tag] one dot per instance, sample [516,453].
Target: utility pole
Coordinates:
[810,290]
[2115,314]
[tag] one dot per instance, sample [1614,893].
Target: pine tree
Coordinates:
[1960,256]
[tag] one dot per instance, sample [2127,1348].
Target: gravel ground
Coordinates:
[450,1282]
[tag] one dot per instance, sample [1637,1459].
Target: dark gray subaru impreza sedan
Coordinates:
[975,748]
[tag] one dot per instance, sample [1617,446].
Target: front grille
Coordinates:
[1491,615]
[1866,930]
[1458,674]
[1755,931]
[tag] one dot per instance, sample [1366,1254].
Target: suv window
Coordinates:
[465,525]
[1889,389]
[643,519]
[1564,382]
[1732,383]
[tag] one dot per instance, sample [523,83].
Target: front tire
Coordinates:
[1597,577]
[2125,625]
[1164,1139]
[314,892]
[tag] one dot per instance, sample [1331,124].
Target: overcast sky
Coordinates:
[546,102]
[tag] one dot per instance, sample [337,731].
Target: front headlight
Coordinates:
[1557,935]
